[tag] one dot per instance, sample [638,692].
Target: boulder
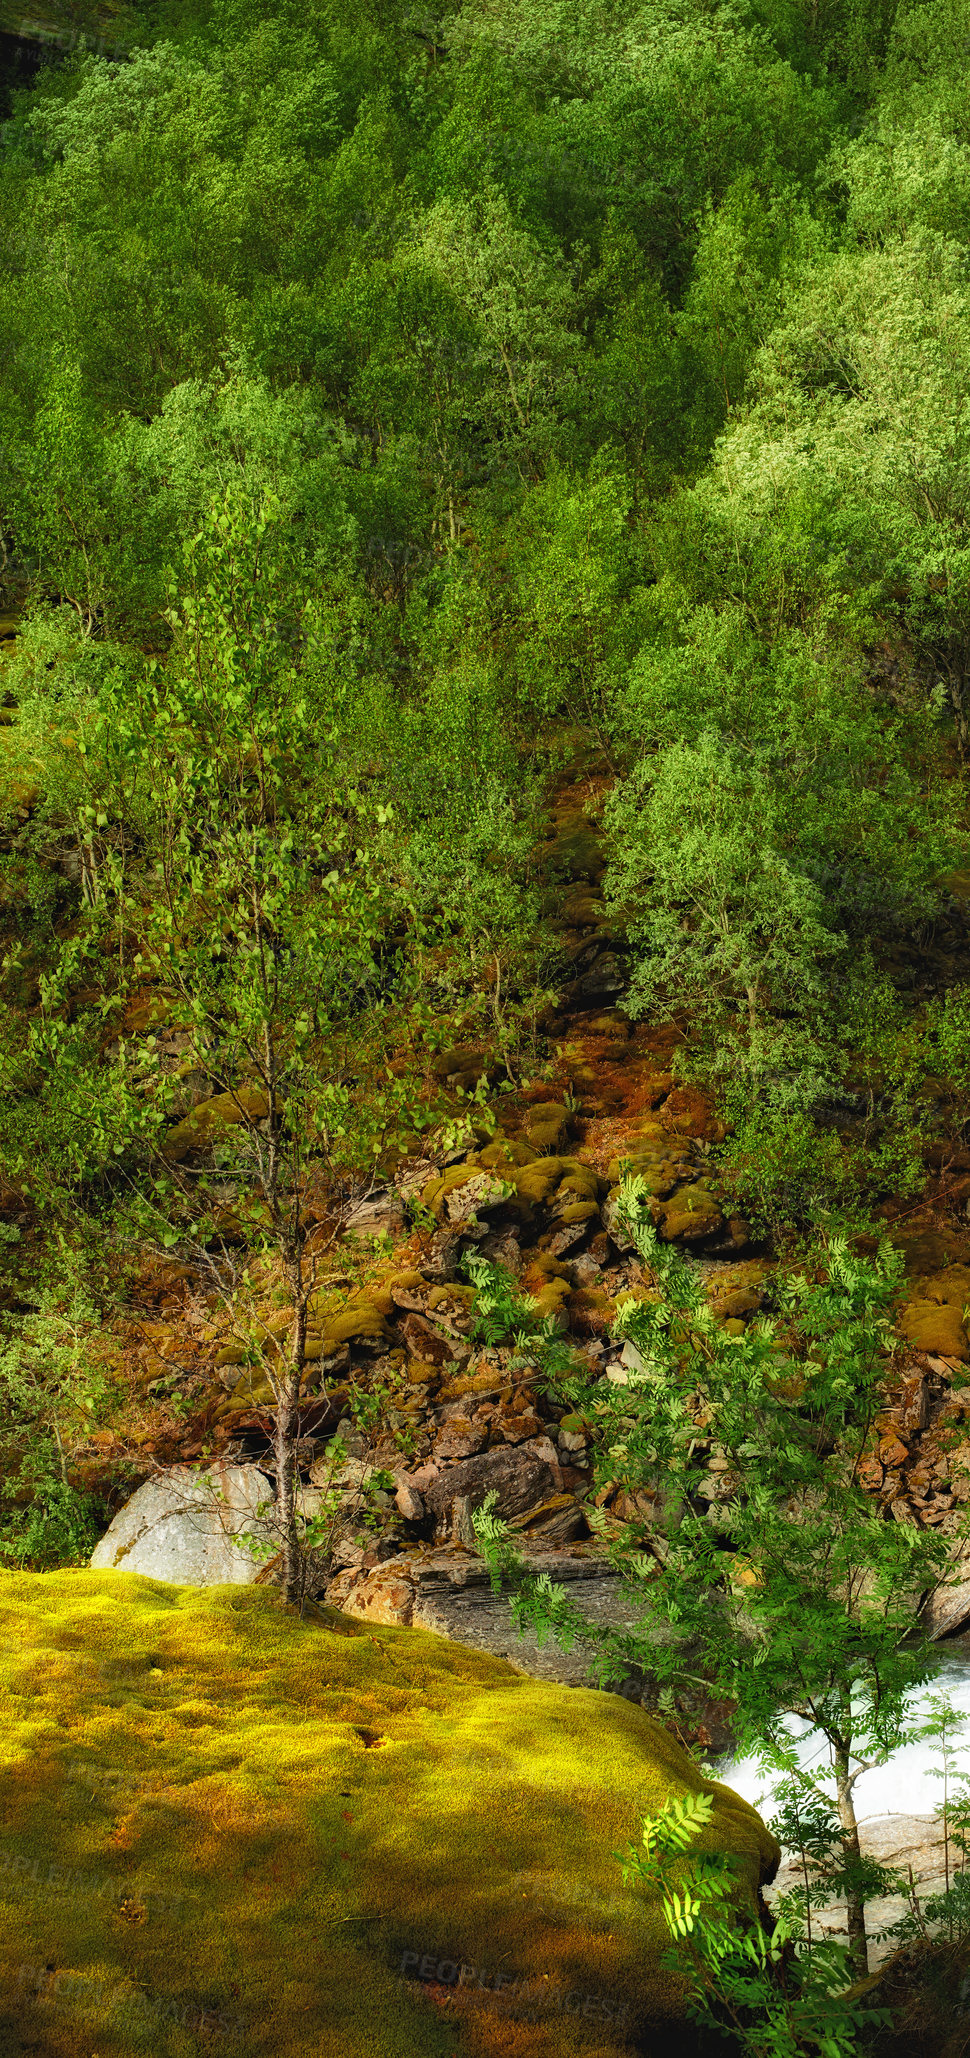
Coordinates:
[521,1474]
[604,979]
[547,1126]
[416,1817]
[382,1215]
[481,1193]
[464,1066]
[948,1608]
[906,1843]
[409,1502]
[690,1215]
[459,1439]
[537,1183]
[936,1328]
[179,1527]
[436,1192]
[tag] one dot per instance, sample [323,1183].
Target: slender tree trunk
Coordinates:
[286,1437]
[855,1906]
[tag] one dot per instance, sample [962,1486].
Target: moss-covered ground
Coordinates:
[229,1830]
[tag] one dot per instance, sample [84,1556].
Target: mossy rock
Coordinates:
[581,1184]
[484,1379]
[550,1298]
[546,1125]
[405,1281]
[212,1804]
[538,1182]
[212,1118]
[419,1373]
[364,1320]
[697,1197]
[935,1327]
[465,1062]
[378,1296]
[950,1288]
[659,1173]
[437,1190]
[440,1295]
[690,1215]
[543,1265]
[506,1150]
[582,909]
[231,1353]
[733,1302]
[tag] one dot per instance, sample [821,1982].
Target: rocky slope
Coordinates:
[538,1196]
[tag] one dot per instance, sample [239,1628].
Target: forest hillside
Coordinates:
[485,921]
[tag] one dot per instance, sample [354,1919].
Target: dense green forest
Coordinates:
[479,488]
[391,405]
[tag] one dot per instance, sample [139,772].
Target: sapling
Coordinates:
[743,1978]
[266,921]
[945,1916]
[807,1823]
[771,1580]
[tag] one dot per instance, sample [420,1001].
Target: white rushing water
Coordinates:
[904,1785]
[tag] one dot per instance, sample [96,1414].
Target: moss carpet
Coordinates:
[225,1830]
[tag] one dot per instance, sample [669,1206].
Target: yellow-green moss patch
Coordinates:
[210,1805]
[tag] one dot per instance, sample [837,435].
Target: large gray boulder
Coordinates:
[180,1526]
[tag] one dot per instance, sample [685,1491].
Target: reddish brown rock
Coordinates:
[426,1343]
[871,1473]
[687,1112]
[517,1425]
[381,1595]
[460,1438]
[914,1406]
[520,1476]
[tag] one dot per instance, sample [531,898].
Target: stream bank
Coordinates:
[895,1804]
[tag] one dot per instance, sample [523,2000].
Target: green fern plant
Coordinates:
[744,1978]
